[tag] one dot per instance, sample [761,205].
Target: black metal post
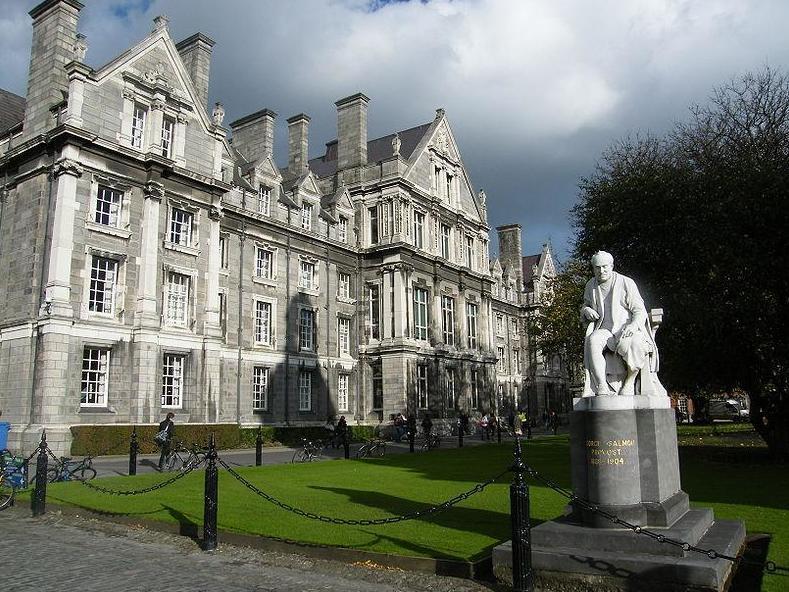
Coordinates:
[39,501]
[411,436]
[134,447]
[211,498]
[460,435]
[498,430]
[522,573]
[346,442]
[259,448]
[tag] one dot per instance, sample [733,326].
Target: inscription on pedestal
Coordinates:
[608,452]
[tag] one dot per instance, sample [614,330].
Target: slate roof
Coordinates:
[377,150]
[12,110]
[529,261]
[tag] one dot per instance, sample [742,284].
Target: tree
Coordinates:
[700,217]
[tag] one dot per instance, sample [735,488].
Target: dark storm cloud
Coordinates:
[534,90]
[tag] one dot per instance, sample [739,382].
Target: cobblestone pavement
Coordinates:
[54,553]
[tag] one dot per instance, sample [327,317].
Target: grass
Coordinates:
[403,483]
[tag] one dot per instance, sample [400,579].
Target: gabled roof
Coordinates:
[12,110]
[377,150]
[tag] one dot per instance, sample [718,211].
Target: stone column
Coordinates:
[147,315]
[400,318]
[57,293]
[387,273]
[212,321]
[153,135]
[76,94]
[179,146]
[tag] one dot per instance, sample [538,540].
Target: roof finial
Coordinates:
[440,113]
[160,22]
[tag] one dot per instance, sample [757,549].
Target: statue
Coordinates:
[396,145]
[218,114]
[619,341]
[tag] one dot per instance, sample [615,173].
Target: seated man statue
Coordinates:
[619,342]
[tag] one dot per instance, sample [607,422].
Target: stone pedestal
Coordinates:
[624,460]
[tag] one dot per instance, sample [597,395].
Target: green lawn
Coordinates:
[402,483]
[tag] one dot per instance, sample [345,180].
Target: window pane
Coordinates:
[173,380]
[263,322]
[108,207]
[103,274]
[95,369]
[342,392]
[305,391]
[260,388]
[177,299]
[181,227]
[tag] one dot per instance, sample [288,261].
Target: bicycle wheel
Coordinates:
[363,451]
[194,460]
[300,456]
[380,450]
[7,492]
[53,474]
[85,474]
[172,461]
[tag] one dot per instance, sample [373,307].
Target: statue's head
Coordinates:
[603,266]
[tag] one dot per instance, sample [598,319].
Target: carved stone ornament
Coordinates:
[160,22]
[182,119]
[483,199]
[218,114]
[441,141]
[128,93]
[154,190]
[157,104]
[156,75]
[396,145]
[66,166]
[215,212]
[80,47]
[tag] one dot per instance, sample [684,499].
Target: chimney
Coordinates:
[253,135]
[298,143]
[195,52]
[510,252]
[352,131]
[54,41]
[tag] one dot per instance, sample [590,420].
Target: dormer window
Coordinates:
[342,229]
[449,179]
[264,201]
[168,129]
[138,126]
[470,251]
[306,216]
[446,233]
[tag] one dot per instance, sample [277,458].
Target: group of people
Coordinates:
[338,434]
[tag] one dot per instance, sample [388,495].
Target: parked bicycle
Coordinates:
[431,441]
[67,469]
[13,477]
[374,447]
[310,451]
[182,458]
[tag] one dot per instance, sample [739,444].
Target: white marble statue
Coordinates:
[619,341]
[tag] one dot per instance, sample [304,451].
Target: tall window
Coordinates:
[306,216]
[223,312]
[103,276]
[177,299]
[343,285]
[306,329]
[173,377]
[260,388]
[342,229]
[420,313]
[264,263]
[502,363]
[181,227]
[378,387]
[344,336]
[342,392]
[437,180]
[448,319]
[138,126]
[108,207]
[446,233]
[168,129]
[262,322]
[499,324]
[95,374]
[470,252]
[419,225]
[305,390]
[451,400]
[373,211]
[375,312]
[516,360]
[223,252]
[264,200]
[474,389]
[307,275]
[421,386]
[448,190]
[471,322]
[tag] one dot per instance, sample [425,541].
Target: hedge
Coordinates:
[114,439]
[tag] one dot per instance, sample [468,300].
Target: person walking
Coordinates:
[164,438]
[483,426]
[553,420]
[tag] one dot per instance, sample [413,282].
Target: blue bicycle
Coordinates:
[13,477]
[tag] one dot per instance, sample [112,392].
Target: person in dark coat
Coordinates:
[167,426]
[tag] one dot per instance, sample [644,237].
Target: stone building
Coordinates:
[152,264]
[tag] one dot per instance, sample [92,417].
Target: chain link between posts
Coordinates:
[768,566]
[363,522]
[130,492]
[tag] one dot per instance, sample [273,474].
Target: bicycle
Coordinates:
[72,470]
[13,476]
[184,458]
[374,447]
[432,440]
[309,451]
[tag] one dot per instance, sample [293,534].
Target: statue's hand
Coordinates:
[590,314]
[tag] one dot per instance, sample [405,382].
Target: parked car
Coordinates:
[727,409]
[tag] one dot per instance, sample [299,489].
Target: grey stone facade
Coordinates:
[149,263]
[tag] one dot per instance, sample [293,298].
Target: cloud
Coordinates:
[534,90]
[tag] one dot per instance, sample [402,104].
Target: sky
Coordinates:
[534,90]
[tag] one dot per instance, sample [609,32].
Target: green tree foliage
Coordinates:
[700,218]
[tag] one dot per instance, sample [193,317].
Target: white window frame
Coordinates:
[306,321]
[422,386]
[343,382]
[502,361]
[308,270]
[168,136]
[470,244]
[181,228]
[451,394]
[306,215]
[105,285]
[374,297]
[305,390]
[223,252]
[446,240]
[265,270]
[419,229]
[342,229]
[264,200]
[94,380]
[139,117]
[260,387]
[448,319]
[263,322]
[474,389]
[108,207]
[421,313]
[499,325]
[174,315]
[375,225]
[343,336]
[472,313]
[343,284]
[174,369]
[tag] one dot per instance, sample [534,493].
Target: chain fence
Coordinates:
[161,485]
[361,522]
